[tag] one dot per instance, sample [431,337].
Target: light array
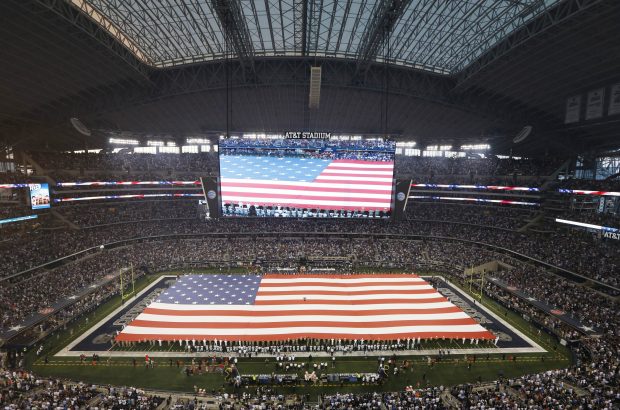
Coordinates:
[123,141]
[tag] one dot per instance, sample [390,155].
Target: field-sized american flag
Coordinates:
[281,307]
[303,182]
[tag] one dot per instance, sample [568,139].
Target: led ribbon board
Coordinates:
[125,183]
[18,219]
[494,201]
[586,192]
[137,196]
[482,187]
[587,225]
[12,186]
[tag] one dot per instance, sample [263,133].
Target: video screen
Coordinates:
[39,196]
[306,177]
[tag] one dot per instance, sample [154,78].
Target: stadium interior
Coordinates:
[310,204]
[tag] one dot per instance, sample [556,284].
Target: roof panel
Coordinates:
[443,36]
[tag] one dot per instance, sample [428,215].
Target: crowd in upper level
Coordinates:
[589,306]
[580,252]
[106,166]
[476,167]
[30,249]
[127,163]
[19,297]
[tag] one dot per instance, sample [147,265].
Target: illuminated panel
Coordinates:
[585,192]
[587,225]
[39,196]
[494,201]
[306,177]
[18,219]
[11,186]
[125,183]
[138,196]
[489,187]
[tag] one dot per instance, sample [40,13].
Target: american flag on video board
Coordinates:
[306,182]
[281,307]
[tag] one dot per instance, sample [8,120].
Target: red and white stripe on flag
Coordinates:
[368,307]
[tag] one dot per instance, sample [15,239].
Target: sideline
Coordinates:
[65,351]
[535,347]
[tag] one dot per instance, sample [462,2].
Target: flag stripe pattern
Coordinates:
[307,182]
[283,307]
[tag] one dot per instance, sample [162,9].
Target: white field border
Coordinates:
[66,351]
[534,347]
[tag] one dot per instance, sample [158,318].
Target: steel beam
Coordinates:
[549,18]
[85,21]
[301,26]
[280,72]
[378,30]
[235,29]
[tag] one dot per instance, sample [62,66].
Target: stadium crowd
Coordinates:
[20,389]
[589,306]
[85,215]
[475,167]
[610,184]
[426,398]
[30,249]
[592,383]
[18,298]
[119,166]
[574,388]
[592,386]
[123,164]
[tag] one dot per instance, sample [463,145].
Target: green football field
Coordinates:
[166,375]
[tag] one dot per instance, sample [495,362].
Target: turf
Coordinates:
[173,378]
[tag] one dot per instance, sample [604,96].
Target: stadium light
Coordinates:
[123,141]
[198,141]
[190,149]
[438,148]
[145,150]
[475,147]
[586,225]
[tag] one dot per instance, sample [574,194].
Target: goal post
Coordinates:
[476,279]
[126,278]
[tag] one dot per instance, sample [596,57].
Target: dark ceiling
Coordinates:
[57,64]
